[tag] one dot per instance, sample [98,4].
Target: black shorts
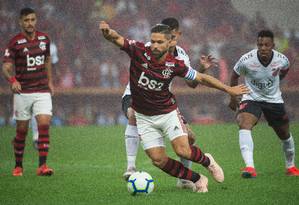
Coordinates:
[126,102]
[274,113]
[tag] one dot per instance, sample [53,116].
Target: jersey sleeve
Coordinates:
[285,64]
[188,73]
[9,53]
[130,46]
[239,67]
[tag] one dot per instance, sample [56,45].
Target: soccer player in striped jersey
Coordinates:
[151,72]
[263,69]
[131,134]
[27,67]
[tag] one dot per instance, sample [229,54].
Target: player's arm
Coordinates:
[48,66]
[7,69]
[111,35]
[206,62]
[215,83]
[234,100]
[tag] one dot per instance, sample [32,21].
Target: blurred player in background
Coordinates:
[263,68]
[27,67]
[151,72]
[131,134]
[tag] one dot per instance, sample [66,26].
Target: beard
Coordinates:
[158,54]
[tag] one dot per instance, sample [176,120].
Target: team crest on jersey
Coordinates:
[167,73]
[42,46]
[21,41]
[41,37]
[275,72]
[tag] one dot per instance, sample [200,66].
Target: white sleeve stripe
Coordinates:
[191,74]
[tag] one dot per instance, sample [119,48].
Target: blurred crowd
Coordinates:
[81,58]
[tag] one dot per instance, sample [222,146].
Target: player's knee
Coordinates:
[191,138]
[183,151]
[159,162]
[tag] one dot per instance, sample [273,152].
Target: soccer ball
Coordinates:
[140,182]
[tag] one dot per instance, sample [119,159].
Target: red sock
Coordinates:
[177,169]
[43,143]
[198,156]
[19,145]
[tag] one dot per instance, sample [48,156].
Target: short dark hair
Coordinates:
[173,23]
[26,11]
[162,28]
[265,33]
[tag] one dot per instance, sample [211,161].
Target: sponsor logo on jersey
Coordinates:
[169,64]
[132,42]
[41,37]
[35,61]
[149,84]
[262,85]
[21,41]
[42,46]
[167,73]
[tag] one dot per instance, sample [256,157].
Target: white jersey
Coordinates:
[179,54]
[263,81]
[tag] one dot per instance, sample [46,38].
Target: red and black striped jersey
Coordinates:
[28,57]
[150,80]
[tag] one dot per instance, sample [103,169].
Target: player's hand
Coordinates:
[51,87]
[238,90]
[207,62]
[234,102]
[105,28]
[16,87]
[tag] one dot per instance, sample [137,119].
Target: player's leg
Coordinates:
[176,130]
[42,110]
[248,116]
[174,167]
[19,145]
[131,137]
[34,132]
[279,121]
[22,113]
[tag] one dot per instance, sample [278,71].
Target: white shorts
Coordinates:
[153,129]
[27,105]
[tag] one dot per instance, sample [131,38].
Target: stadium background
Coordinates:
[90,74]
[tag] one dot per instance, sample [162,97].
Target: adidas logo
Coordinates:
[144,65]
[25,50]
[176,128]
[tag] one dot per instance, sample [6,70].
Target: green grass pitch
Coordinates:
[89,163]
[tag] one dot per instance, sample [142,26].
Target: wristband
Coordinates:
[12,80]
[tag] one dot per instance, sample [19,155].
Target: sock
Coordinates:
[19,145]
[132,145]
[177,169]
[34,129]
[43,143]
[186,162]
[288,148]
[246,147]
[198,156]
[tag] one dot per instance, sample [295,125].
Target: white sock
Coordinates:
[34,129]
[288,148]
[132,145]
[246,147]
